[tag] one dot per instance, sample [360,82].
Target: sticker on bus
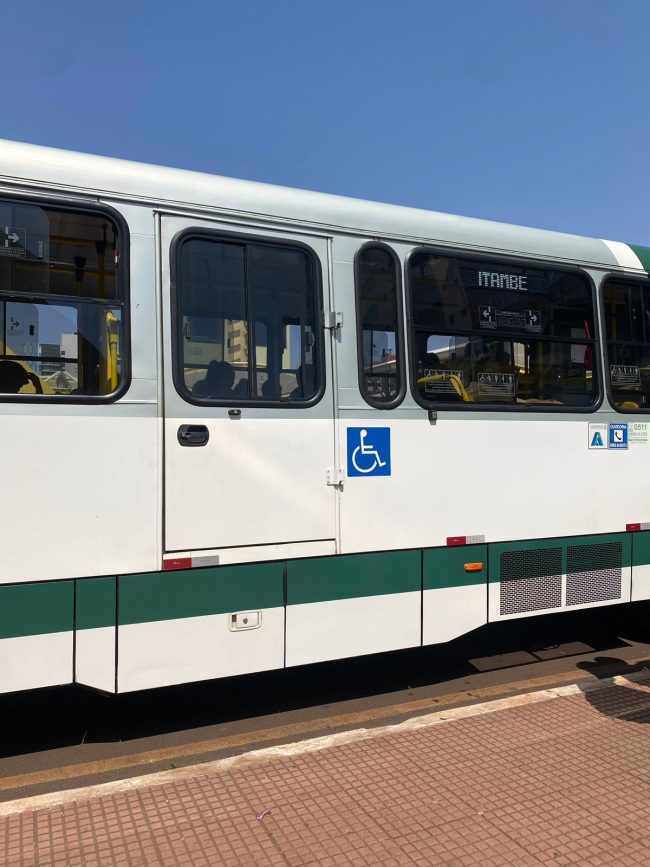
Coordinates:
[597,435]
[618,435]
[369,451]
[637,432]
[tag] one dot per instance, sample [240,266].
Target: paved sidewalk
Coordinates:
[554,777]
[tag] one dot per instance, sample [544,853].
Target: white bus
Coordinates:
[246,427]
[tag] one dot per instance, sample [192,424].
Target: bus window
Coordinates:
[500,334]
[627,329]
[379,331]
[62,323]
[247,321]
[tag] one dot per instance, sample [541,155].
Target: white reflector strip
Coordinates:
[208,560]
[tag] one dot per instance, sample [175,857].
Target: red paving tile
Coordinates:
[565,781]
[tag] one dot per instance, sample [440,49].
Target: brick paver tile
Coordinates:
[566,781]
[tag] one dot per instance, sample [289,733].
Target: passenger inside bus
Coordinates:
[218,382]
[13,376]
[306,383]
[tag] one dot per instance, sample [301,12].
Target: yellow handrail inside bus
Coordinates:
[108,377]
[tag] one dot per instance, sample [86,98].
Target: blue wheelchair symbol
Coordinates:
[369,451]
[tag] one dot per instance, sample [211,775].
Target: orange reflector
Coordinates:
[473,567]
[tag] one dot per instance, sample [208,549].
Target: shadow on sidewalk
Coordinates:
[628,702]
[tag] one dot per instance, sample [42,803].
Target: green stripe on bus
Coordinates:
[96,599]
[36,609]
[643,253]
[445,567]
[352,576]
[536,558]
[196,592]
[640,548]
[46,607]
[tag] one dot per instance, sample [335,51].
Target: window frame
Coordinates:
[400,343]
[517,261]
[122,282]
[207,234]
[631,280]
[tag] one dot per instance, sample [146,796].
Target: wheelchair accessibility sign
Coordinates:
[369,451]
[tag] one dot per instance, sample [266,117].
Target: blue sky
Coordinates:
[532,112]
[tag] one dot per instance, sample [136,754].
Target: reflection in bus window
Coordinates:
[247,321]
[627,329]
[500,334]
[378,325]
[61,304]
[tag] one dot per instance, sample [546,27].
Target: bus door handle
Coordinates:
[193,434]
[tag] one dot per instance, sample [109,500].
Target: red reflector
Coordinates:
[457,540]
[178,563]
[633,528]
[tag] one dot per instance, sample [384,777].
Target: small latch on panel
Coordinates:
[334,319]
[245,620]
[333,477]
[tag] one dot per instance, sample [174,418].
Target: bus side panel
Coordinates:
[640,566]
[501,478]
[80,491]
[454,597]
[96,632]
[189,625]
[36,635]
[339,607]
[81,482]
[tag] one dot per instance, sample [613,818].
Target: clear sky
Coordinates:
[529,111]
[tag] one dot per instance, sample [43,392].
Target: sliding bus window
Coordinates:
[62,304]
[247,315]
[379,330]
[626,307]
[496,334]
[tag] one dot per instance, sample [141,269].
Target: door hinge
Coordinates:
[334,320]
[334,477]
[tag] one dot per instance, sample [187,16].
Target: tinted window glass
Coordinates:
[627,329]
[495,333]
[378,326]
[61,304]
[247,317]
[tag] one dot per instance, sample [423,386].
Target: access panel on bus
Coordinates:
[249,433]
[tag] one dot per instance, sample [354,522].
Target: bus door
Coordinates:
[249,431]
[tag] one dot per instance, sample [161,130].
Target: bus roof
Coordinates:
[167,188]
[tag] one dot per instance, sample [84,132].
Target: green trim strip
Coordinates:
[643,254]
[48,607]
[95,602]
[352,576]
[641,548]
[36,609]
[197,592]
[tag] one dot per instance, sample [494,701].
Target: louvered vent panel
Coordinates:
[531,580]
[594,572]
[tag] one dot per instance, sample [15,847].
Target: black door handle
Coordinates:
[193,434]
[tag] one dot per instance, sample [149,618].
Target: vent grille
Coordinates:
[531,580]
[594,573]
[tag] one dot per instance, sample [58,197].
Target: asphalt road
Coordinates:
[69,736]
